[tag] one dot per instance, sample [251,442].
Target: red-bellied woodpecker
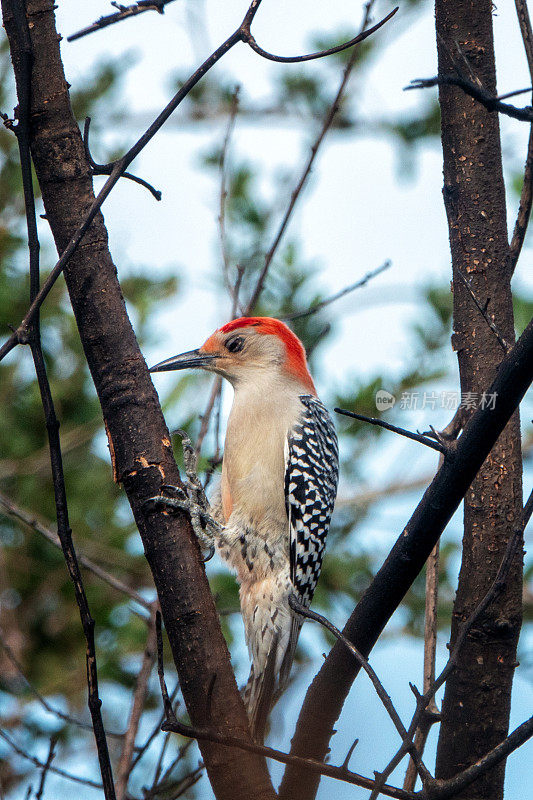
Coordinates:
[278,487]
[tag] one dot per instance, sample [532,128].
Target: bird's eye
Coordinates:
[235,344]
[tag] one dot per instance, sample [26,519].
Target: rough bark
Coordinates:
[139,436]
[475,711]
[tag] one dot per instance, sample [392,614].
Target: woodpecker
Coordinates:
[277,491]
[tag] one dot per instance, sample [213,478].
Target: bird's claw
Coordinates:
[202,522]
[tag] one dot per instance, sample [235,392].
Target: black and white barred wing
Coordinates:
[311,476]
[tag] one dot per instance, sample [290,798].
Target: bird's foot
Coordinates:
[191,499]
[194,485]
[203,524]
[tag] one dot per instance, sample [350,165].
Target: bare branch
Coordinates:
[343,292]
[29,519]
[125,12]
[328,120]
[490,103]
[430,648]
[416,437]
[426,777]
[526,194]
[444,789]
[206,416]
[422,714]
[41,764]
[107,169]
[249,39]
[46,767]
[515,93]
[339,773]
[155,730]
[139,698]
[173,724]
[42,700]
[222,167]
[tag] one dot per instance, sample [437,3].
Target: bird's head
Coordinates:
[248,349]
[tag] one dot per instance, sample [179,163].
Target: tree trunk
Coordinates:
[139,436]
[475,711]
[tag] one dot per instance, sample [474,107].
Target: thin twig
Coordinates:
[159,765]
[310,764]
[504,344]
[490,103]
[140,694]
[222,166]
[430,648]
[173,724]
[107,169]
[526,194]
[155,730]
[163,781]
[40,764]
[416,437]
[442,790]
[343,292]
[514,93]
[206,416]
[125,12]
[423,701]
[249,39]
[167,705]
[42,700]
[407,741]
[46,767]
[328,120]
[28,519]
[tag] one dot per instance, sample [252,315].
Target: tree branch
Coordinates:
[445,789]
[46,767]
[407,741]
[125,12]
[328,120]
[249,39]
[140,694]
[41,764]
[416,437]
[488,101]
[340,773]
[326,695]
[430,647]
[338,295]
[42,700]
[526,194]
[15,511]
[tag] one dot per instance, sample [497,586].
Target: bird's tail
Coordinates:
[270,672]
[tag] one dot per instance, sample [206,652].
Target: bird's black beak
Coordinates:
[191,359]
